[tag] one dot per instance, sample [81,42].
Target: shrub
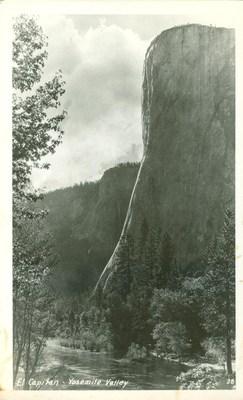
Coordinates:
[214,349]
[200,377]
[170,337]
[135,352]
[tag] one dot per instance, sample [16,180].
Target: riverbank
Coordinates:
[188,362]
[199,361]
[76,369]
[66,368]
[70,343]
[212,374]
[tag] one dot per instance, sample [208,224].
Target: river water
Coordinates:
[66,368]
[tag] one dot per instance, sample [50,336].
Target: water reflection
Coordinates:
[65,368]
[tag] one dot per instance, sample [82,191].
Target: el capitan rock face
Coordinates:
[186,178]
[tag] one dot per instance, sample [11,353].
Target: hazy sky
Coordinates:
[102,61]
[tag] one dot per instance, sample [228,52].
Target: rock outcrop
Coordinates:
[86,221]
[186,178]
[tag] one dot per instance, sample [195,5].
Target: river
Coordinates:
[65,368]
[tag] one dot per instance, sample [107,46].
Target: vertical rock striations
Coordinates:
[186,179]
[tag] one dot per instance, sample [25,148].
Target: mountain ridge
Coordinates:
[85,221]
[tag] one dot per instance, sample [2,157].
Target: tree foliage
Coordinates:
[153,303]
[32,300]
[171,337]
[36,127]
[218,309]
[36,133]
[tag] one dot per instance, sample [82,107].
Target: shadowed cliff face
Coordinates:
[186,179]
[85,222]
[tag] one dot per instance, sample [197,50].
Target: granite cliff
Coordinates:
[186,178]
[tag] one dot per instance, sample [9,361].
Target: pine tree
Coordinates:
[118,311]
[167,262]
[141,292]
[121,278]
[219,297]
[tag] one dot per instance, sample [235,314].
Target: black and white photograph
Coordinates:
[123,202]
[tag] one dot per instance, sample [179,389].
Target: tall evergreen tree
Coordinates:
[166,273]
[219,282]
[118,311]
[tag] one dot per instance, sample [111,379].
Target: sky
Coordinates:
[101,58]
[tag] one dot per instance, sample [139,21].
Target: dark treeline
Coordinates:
[151,305]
